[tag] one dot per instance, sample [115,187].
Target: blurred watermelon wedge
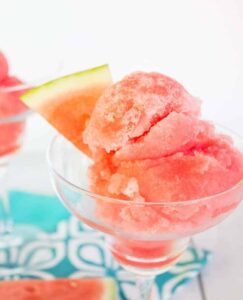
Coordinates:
[59,289]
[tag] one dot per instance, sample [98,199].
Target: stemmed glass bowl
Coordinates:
[12,129]
[145,238]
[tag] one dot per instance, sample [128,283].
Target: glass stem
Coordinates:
[144,287]
[6,223]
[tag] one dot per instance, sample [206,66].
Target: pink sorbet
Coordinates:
[10,107]
[150,144]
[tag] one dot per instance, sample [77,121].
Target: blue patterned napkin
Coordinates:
[64,247]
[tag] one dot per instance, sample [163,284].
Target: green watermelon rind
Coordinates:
[110,289]
[76,81]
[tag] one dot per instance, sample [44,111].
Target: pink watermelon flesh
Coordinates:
[59,289]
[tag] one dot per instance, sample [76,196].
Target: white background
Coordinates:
[200,43]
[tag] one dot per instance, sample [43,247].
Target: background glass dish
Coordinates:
[12,128]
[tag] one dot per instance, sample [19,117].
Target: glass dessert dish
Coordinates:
[14,82]
[12,127]
[146,238]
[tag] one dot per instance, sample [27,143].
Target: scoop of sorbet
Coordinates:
[150,144]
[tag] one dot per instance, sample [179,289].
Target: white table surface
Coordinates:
[222,279]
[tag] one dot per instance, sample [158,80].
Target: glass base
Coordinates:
[146,267]
[21,234]
[147,258]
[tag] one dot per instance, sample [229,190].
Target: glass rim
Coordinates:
[125,201]
[20,116]
[16,87]
[29,84]
[16,117]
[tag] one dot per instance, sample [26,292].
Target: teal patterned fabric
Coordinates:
[64,247]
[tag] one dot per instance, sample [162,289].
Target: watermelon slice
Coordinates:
[59,289]
[67,102]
